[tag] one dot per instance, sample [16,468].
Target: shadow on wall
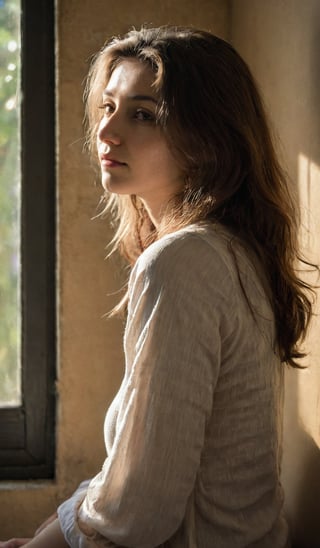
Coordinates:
[308,497]
[305,523]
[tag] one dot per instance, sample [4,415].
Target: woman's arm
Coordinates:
[46,523]
[17,542]
[50,537]
[14,542]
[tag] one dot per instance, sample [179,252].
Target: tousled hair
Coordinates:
[212,115]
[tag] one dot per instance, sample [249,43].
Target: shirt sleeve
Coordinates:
[172,348]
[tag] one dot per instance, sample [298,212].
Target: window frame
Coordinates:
[27,432]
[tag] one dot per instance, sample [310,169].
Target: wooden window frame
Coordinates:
[27,432]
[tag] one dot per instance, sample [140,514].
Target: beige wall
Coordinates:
[280,41]
[90,358]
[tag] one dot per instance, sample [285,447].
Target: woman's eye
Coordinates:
[107,108]
[144,116]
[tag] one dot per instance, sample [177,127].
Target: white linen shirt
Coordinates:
[193,436]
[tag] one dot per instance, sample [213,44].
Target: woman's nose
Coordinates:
[108,131]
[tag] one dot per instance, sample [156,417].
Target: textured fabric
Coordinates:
[194,435]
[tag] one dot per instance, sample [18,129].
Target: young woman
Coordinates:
[214,304]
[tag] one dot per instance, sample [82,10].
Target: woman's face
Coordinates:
[133,152]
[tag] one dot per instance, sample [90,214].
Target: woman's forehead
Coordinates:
[131,77]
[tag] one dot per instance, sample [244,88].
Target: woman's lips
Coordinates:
[110,162]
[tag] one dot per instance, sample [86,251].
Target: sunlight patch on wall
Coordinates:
[309,380]
[309,198]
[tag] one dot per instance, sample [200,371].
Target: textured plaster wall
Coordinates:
[90,358]
[280,39]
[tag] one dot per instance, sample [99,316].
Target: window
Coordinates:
[27,407]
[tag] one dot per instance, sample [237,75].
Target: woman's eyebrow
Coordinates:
[143,98]
[137,97]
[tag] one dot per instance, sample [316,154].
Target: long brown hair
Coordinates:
[212,115]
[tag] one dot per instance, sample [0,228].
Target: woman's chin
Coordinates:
[115,187]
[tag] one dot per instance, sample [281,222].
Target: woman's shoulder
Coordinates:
[206,256]
[199,246]
[206,262]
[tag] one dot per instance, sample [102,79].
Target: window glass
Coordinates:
[10,325]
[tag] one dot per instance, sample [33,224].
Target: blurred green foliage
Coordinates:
[9,202]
